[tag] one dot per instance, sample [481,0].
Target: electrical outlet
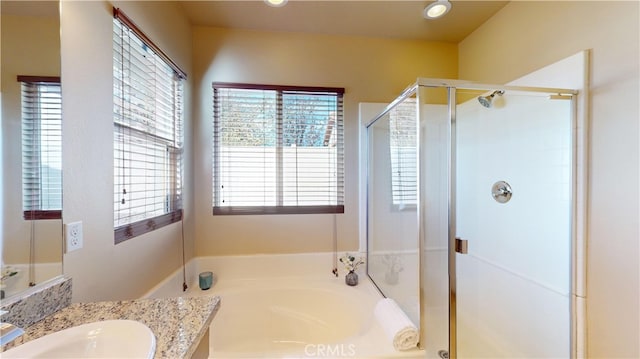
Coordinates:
[73,236]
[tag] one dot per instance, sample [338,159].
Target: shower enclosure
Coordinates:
[470,200]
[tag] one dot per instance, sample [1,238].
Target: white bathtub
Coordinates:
[43,272]
[287,306]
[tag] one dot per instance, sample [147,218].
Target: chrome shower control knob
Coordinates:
[501,192]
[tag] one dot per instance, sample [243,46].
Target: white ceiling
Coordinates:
[396,19]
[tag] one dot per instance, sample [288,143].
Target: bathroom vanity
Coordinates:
[180,325]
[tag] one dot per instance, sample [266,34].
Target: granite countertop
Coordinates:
[178,323]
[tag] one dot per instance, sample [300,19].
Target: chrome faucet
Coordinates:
[8,332]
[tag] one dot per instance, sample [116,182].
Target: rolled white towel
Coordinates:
[395,323]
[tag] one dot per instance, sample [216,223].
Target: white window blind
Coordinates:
[148,105]
[277,149]
[403,154]
[41,147]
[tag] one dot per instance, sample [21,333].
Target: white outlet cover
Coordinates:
[73,236]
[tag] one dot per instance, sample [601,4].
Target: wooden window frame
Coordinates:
[40,214]
[278,208]
[146,225]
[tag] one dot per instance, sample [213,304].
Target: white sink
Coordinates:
[104,339]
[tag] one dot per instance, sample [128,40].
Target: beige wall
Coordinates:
[30,46]
[102,270]
[525,36]
[370,70]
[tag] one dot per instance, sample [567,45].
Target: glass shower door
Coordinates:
[392,233]
[514,207]
[434,133]
[407,201]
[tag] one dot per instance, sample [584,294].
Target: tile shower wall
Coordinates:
[514,285]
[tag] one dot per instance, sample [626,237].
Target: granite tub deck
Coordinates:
[180,324]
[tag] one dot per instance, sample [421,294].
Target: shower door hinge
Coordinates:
[462,246]
[560,97]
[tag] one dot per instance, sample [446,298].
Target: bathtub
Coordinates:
[286,306]
[43,272]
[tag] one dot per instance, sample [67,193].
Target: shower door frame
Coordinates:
[578,151]
[406,93]
[452,86]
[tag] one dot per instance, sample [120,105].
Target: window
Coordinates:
[277,149]
[148,96]
[41,147]
[403,154]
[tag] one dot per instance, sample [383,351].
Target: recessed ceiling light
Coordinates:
[276,3]
[436,9]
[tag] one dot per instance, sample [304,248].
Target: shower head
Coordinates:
[486,100]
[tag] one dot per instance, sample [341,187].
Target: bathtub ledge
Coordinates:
[179,324]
